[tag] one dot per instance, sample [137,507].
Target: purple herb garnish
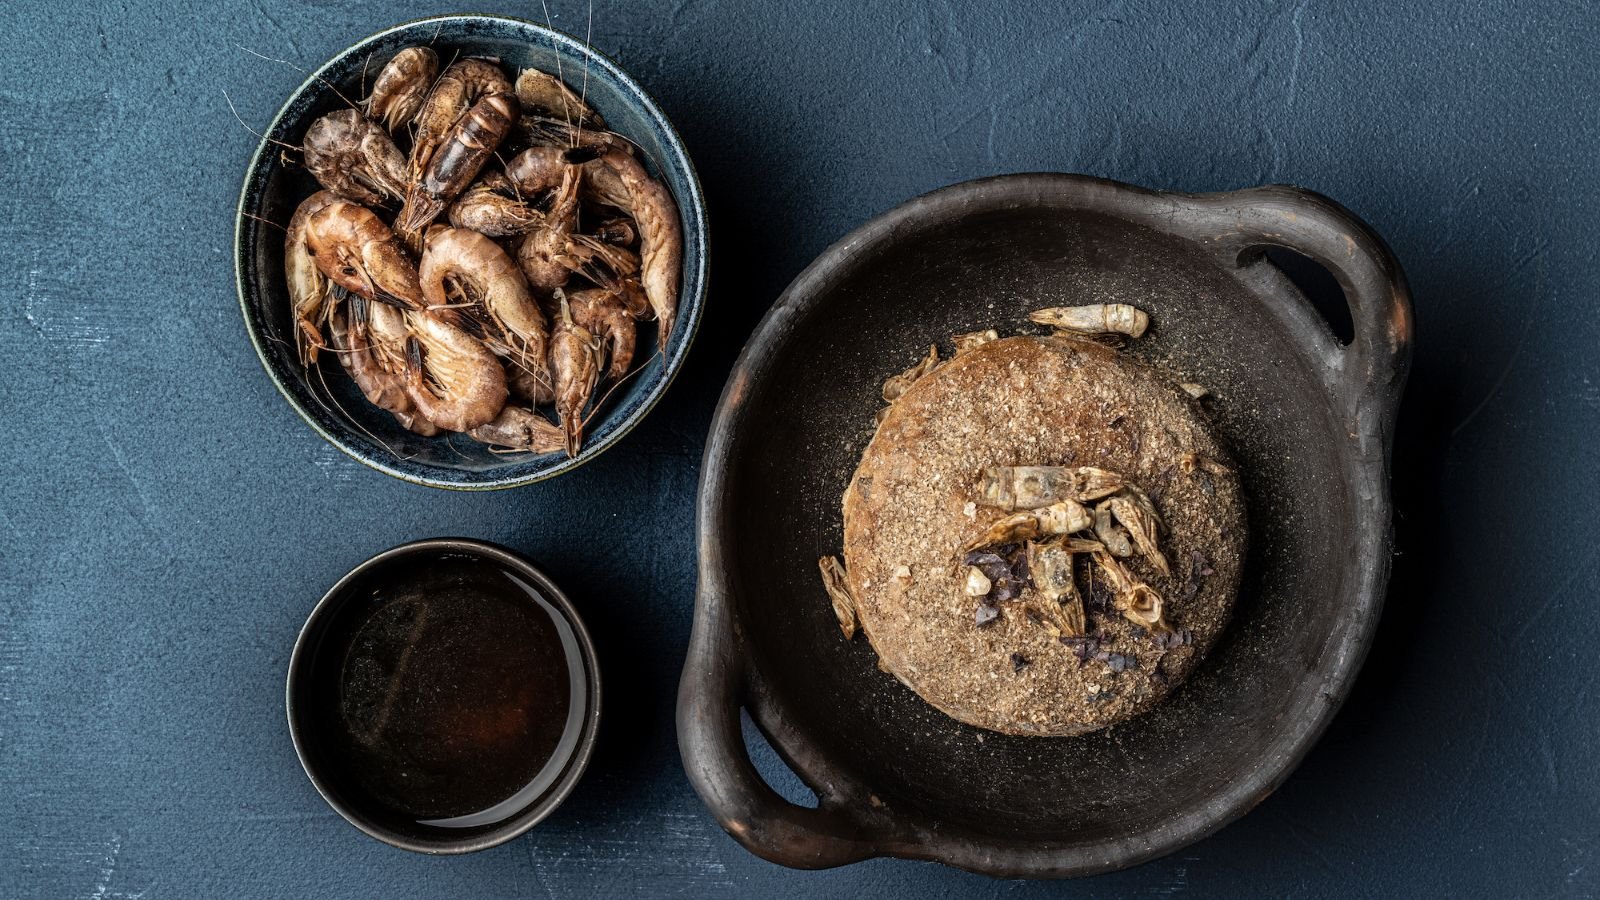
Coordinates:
[986,615]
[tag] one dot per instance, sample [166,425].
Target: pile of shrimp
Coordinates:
[479,249]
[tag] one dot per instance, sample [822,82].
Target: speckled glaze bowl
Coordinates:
[324,395]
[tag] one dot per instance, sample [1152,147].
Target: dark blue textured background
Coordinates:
[166,521]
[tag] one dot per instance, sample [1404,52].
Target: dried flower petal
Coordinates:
[986,614]
[1032,487]
[837,584]
[1095,318]
[1060,518]
[973,340]
[895,387]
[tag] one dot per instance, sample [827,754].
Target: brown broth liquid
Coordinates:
[454,693]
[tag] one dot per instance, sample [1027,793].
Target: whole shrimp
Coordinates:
[382,387]
[574,360]
[544,94]
[463,83]
[353,247]
[451,377]
[311,294]
[455,163]
[491,206]
[603,313]
[355,158]
[520,428]
[537,169]
[475,269]
[402,87]
[627,186]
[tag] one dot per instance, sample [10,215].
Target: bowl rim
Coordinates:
[692,210]
[581,754]
[720,677]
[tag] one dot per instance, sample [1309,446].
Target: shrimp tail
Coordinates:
[573,430]
[517,428]
[664,322]
[415,216]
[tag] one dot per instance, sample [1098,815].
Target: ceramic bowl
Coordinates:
[324,395]
[316,673]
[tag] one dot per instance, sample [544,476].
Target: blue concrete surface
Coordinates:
[166,521]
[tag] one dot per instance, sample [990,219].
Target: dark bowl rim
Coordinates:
[581,755]
[693,212]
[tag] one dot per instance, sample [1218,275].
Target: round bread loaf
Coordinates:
[916,502]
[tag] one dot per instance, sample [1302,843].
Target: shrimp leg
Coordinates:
[603,314]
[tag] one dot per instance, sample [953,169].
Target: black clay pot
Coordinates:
[1308,418]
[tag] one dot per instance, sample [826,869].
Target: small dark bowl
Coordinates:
[1309,419]
[304,688]
[324,396]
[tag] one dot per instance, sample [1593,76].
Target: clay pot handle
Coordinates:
[1372,370]
[714,688]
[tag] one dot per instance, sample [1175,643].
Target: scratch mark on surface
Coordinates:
[87,323]
[31,295]
[286,33]
[334,465]
[1173,884]
[1465,785]
[1299,47]
[538,870]
[108,871]
[147,506]
[1313,845]
[994,123]
[1528,318]
[249,816]
[1548,600]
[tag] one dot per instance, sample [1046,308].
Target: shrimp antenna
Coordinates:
[252,130]
[266,221]
[557,49]
[326,397]
[588,46]
[323,81]
[449,442]
[364,64]
[595,409]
